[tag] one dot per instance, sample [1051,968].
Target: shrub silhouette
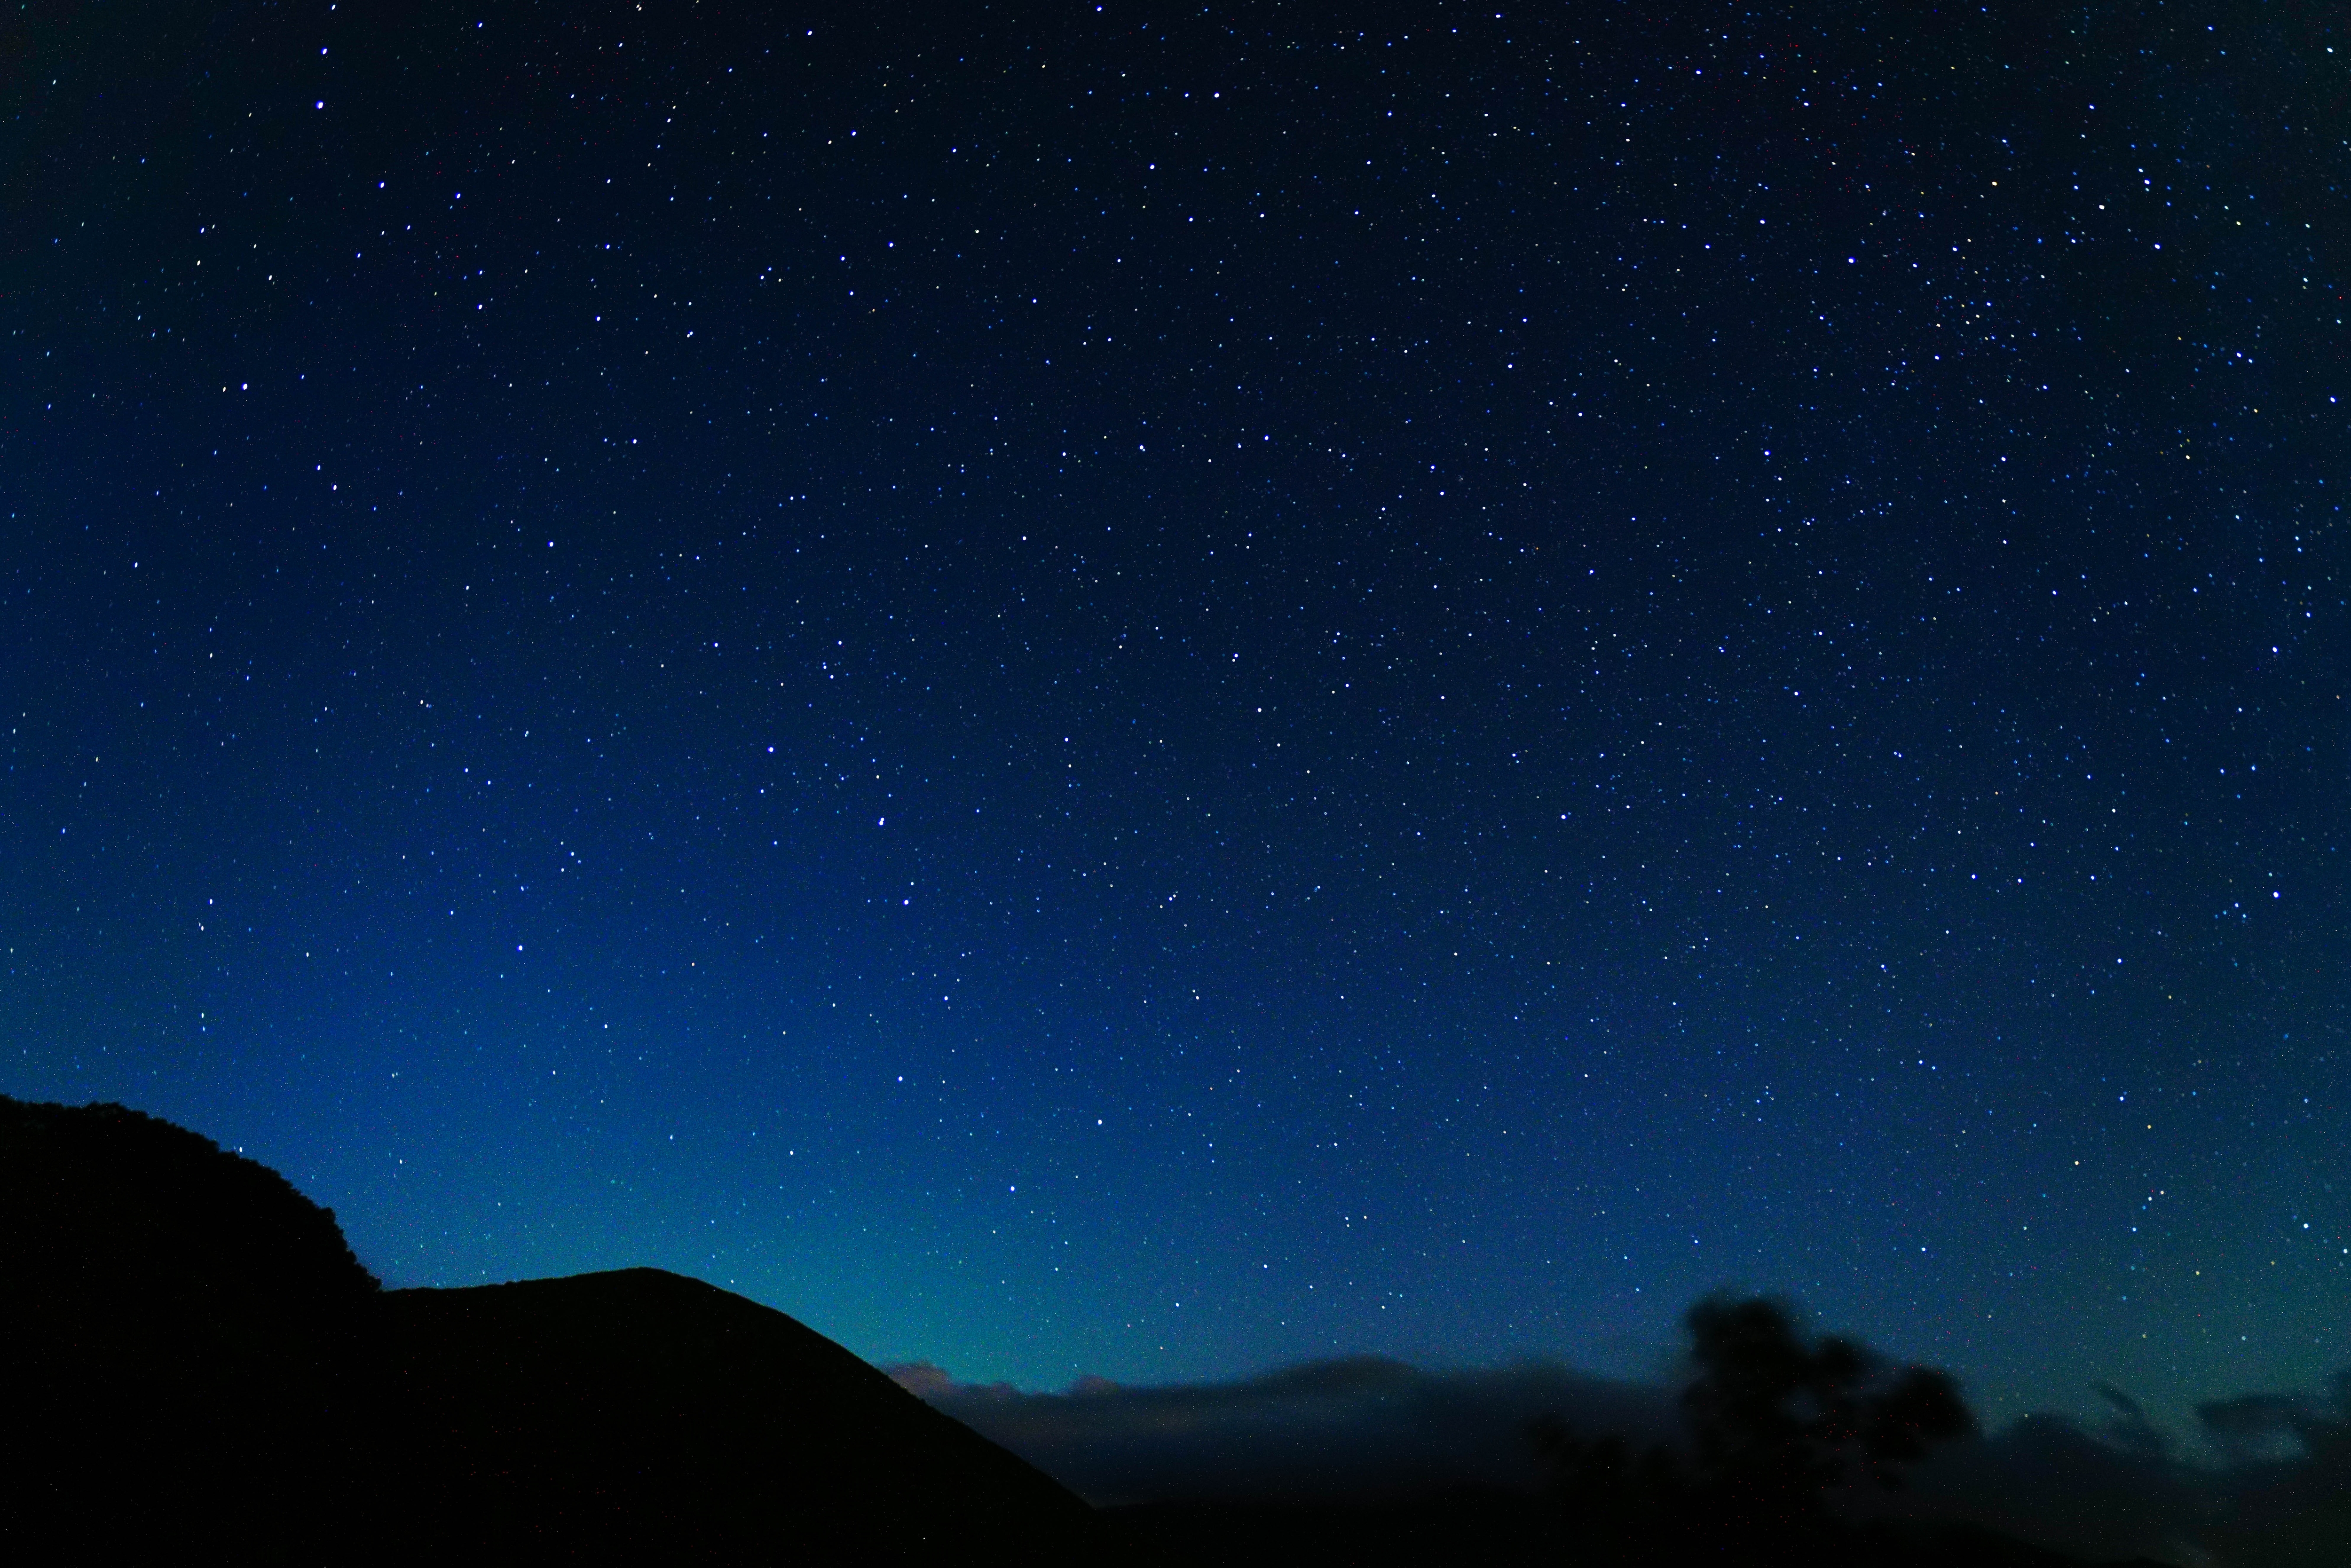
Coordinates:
[1775,1421]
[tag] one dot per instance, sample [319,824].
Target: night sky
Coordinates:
[1152,692]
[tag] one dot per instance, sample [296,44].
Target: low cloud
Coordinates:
[1349,1430]
[1368,1429]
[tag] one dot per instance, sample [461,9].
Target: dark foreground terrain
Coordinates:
[195,1368]
[1499,1528]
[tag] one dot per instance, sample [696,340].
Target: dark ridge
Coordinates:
[604,1414]
[138,1204]
[197,1369]
[180,1336]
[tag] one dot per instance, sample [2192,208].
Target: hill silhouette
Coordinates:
[181,1340]
[195,1368]
[632,1413]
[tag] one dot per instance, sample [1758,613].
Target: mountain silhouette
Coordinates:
[626,1414]
[181,1345]
[193,1366]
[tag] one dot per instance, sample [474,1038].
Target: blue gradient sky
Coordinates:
[1155,692]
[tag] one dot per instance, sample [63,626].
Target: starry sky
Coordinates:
[1154,691]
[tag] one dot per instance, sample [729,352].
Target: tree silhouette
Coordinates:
[1775,1421]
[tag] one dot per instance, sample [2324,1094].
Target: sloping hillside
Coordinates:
[196,1368]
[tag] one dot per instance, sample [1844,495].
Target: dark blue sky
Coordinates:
[1154,690]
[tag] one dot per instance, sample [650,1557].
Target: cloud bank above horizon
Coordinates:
[1362,1429]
